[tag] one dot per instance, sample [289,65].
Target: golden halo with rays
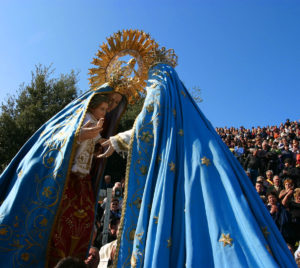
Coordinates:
[124,79]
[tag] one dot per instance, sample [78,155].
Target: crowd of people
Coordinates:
[270,157]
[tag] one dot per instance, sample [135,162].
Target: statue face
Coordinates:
[100,110]
[114,100]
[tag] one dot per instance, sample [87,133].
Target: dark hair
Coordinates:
[272,193]
[114,220]
[97,100]
[115,199]
[70,262]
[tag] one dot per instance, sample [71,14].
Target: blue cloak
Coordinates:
[188,202]
[32,185]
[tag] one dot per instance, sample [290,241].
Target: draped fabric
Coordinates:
[35,186]
[188,202]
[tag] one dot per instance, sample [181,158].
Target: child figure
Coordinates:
[74,225]
[94,117]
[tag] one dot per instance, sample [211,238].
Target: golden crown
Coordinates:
[122,75]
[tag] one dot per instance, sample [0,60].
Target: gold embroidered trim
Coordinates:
[123,146]
[73,152]
[128,166]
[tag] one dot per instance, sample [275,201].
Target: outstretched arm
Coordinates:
[90,131]
[118,143]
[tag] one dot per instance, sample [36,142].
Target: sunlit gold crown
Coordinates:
[122,75]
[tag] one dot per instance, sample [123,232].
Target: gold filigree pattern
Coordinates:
[121,143]
[109,69]
[143,170]
[146,136]
[121,75]
[3,231]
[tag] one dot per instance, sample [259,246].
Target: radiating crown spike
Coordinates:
[126,79]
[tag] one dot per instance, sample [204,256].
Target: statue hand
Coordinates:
[109,151]
[89,131]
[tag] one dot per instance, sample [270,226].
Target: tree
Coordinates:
[33,105]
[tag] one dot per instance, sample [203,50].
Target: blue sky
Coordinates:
[243,54]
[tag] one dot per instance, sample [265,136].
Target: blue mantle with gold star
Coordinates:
[188,202]
[32,185]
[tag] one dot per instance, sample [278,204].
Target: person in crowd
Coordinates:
[114,210]
[263,156]
[252,164]
[287,170]
[118,193]
[276,185]
[286,153]
[70,262]
[107,252]
[287,193]
[261,191]
[269,177]
[92,260]
[293,206]
[275,209]
[107,183]
[262,180]
[112,235]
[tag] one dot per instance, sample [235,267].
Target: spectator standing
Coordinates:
[252,164]
[107,183]
[276,186]
[287,193]
[261,191]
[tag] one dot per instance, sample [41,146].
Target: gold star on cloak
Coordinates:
[226,239]
[156,219]
[180,132]
[265,231]
[158,158]
[172,166]
[169,242]
[174,112]
[133,261]
[268,249]
[205,161]
[183,94]
[20,173]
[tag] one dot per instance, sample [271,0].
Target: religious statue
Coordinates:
[187,203]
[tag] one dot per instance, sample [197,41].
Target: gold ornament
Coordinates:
[205,161]
[226,239]
[125,77]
